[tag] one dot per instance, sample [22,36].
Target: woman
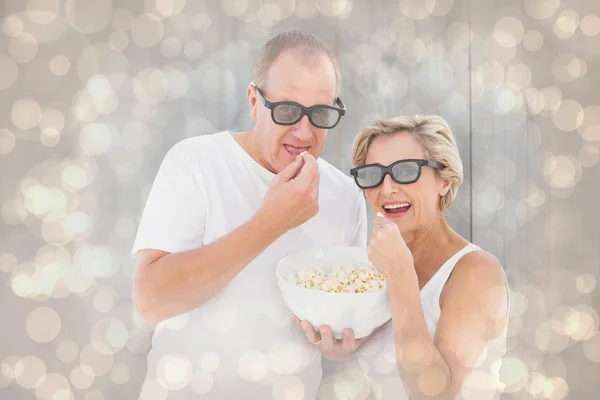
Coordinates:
[448,298]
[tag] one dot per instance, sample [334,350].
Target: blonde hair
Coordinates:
[435,137]
[292,40]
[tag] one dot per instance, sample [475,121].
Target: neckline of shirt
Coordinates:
[262,171]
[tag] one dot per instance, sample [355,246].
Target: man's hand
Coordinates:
[293,197]
[331,348]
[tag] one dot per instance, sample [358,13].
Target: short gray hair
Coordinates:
[433,134]
[290,40]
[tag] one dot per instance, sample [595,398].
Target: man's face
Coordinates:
[294,78]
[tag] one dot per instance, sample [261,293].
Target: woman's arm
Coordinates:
[474,306]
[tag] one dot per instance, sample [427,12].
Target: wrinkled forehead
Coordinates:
[388,149]
[291,74]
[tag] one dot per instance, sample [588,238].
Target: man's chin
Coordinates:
[284,162]
[286,158]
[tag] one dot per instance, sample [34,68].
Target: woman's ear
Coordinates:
[445,187]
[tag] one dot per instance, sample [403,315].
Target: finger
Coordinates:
[315,188]
[382,221]
[327,340]
[291,171]
[374,230]
[370,251]
[373,237]
[311,334]
[296,321]
[313,181]
[310,169]
[381,229]
[358,342]
[316,180]
[372,246]
[377,233]
[348,340]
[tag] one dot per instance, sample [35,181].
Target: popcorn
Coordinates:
[340,280]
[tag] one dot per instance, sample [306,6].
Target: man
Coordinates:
[223,210]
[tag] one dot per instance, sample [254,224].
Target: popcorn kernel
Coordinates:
[340,280]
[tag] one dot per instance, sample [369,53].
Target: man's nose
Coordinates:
[303,129]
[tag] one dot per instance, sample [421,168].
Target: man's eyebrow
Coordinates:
[280,99]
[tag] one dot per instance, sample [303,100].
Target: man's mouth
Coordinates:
[293,150]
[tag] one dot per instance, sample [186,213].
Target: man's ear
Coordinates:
[252,101]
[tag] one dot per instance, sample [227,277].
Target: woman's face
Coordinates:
[410,205]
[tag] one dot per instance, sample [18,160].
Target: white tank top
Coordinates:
[377,356]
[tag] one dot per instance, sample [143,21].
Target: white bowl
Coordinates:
[362,312]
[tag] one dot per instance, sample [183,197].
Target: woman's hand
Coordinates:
[331,348]
[387,249]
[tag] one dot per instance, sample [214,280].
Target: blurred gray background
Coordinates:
[94,92]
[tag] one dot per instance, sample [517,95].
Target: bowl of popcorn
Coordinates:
[335,286]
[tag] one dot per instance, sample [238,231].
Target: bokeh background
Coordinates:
[94,92]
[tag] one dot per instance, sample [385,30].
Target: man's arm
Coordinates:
[169,284]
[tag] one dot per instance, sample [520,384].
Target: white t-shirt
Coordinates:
[240,344]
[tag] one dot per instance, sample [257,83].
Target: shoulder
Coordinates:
[186,159]
[336,179]
[478,283]
[190,152]
[198,144]
[478,270]
[480,262]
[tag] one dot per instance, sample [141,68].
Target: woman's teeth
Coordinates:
[397,207]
